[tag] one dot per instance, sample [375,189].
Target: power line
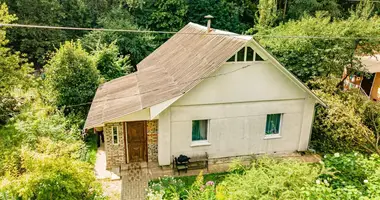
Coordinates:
[138,94]
[176,32]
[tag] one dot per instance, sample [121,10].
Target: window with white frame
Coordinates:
[273,124]
[115,135]
[199,130]
[246,54]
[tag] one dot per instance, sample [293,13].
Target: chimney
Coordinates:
[209,17]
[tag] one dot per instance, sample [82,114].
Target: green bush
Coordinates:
[350,122]
[71,77]
[173,187]
[352,169]
[347,176]
[269,179]
[50,176]
[338,176]
[43,157]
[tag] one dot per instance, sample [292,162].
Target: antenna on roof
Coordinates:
[209,17]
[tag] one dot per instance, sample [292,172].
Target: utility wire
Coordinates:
[185,33]
[138,94]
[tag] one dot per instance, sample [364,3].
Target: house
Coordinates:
[369,85]
[204,90]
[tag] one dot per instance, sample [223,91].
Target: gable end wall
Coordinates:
[236,105]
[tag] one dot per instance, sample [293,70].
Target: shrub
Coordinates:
[71,76]
[351,169]
[179,187]
[201,190]
[48,176]
[347,176]
[166,188]
[269,179]
[43,157]
[345,125]
[338,176]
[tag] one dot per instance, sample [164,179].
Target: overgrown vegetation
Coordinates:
[350,123]
[338,176]
[48,78]
[42,152]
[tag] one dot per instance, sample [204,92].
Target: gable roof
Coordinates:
[170,71]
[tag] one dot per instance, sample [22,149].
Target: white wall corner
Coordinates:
[164,138]
[307,123]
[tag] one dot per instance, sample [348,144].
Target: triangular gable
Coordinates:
[286,72]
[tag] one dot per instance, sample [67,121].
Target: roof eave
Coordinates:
[288,74]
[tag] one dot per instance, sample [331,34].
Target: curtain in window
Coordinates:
[199,131]
[196,134]
[273,124]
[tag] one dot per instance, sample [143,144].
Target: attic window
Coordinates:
[250,54]
[258,58]
[246,54]
[232,59]
[240,55]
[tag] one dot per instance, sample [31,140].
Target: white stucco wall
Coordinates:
[236,105]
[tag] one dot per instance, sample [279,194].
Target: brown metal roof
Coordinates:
[171,70]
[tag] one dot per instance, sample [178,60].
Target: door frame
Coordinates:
[125,124]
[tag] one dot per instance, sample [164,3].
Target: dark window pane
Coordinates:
[240,55]
[199,130]
[232,59]
[273,124]
[259,58]
[115,135]
[250,54]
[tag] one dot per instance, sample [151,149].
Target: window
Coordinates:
[240,55]
[232,59]
[115,135]
[246,54]
[250,54]
[199,131]
[273,124]
[258,58]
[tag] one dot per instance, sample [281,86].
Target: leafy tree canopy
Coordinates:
[36,43]
[110,64]
[14,71]
[71,76]
[352,122]
[135,45]
[311,57]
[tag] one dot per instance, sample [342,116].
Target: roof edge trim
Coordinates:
[288,74]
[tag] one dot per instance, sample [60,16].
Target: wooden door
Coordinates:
[137,144]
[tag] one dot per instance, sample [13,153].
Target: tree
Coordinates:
[311,57]
[168,15]
[228,14]
[268,14]
[351,123]
[14,71]
[71,76]
[37,43]
[110,64]
[298,8]
[136,46]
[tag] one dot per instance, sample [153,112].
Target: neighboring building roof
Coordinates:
[170,71]
[371,63]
